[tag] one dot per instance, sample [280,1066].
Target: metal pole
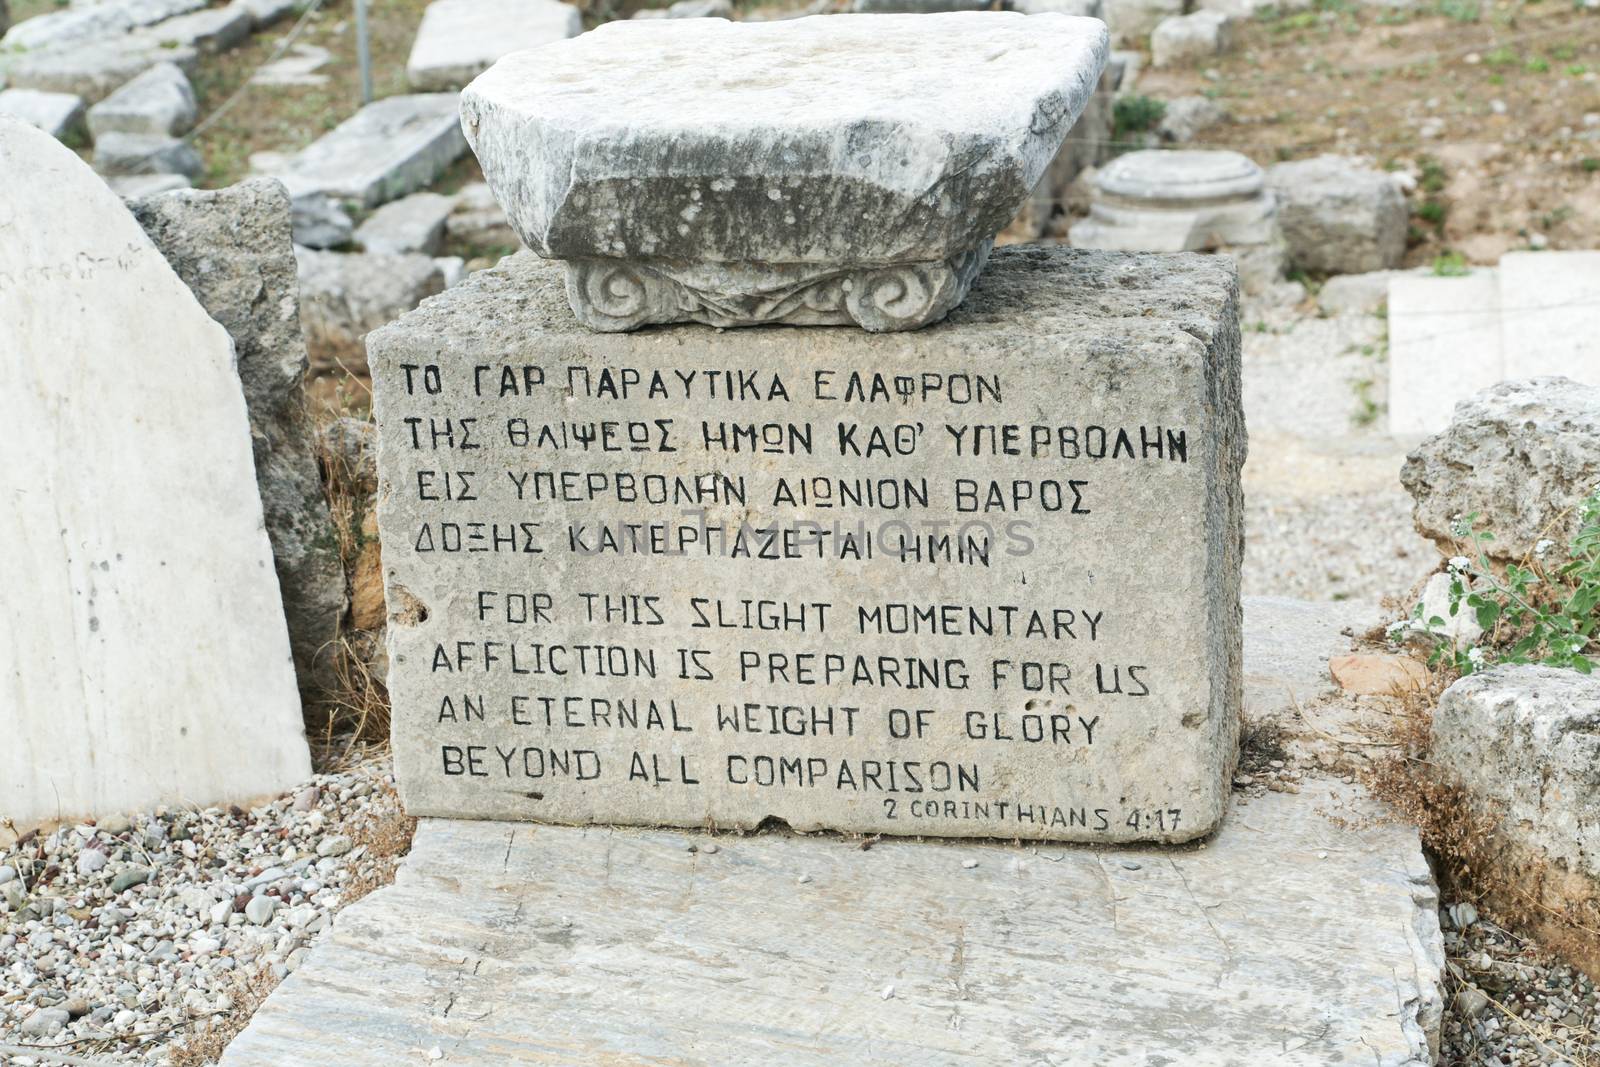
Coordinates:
[364,51]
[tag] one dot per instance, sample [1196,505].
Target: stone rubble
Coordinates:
[1187,38]
[1187,117]
[389,148]
[345,296]
[119,940]
[58,114]
[414,223]
[98,68]
[159,102]
[1521,456]
[1339,215]
[118,153]
[460,39]
[232,248]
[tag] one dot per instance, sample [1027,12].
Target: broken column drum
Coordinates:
[810,172]
[1182,201]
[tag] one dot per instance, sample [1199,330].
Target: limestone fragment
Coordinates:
[343,296]
[1520,456]
[1339,215]
[58,114]
[232,248]
[415,223]
[146,153]
[388,149]
[159,102]
[152,600]
[460,39]
[854,189]
[1185,38]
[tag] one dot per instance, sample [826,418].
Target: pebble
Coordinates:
[710,850]
[1130,865]
[969,864]
[260,910]
[84,962]
[129,878]
[335,845]
[803,879]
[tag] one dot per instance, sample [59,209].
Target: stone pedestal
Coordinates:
[1186,201]
[981,580]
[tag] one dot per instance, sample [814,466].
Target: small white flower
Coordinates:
[1475,655]
[1398,629]
[1542,547]
[1459,564]
[1577,646]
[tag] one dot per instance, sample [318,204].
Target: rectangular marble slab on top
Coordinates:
[1306,934]
[980,580]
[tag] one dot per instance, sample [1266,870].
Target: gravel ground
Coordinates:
[1511,1003]
[124,941]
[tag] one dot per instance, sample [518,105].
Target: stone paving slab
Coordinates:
[1289,939]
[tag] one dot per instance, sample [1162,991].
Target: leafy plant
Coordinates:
[1527,615]
[1450,264]
[1135,114]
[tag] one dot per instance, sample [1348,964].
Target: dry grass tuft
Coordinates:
[205,1045]
[387,837]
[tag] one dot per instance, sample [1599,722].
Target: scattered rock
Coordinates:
[265,13]
[1339,215]
[129,878]
[232,247]
[90,860]
[160,102]
[210,31]
[298,66]
[260,910]
[1378,675]
[479,222]
[46,1022]
[344,297]
[1524,744]
[1471,1001]
[414,223]
[320,222]
[1188,117]
[143,153]
[115,823]
[1184,38]
[460,39]
[58,114]
[1522,456]
[1131,21]
[137,186]
[389,148]
[97,69]
[334,845]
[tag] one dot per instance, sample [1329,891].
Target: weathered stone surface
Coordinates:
[151,664]
[460,39]
[299,66]
[1087,144]
[160,102]
[1339,215]
[915,7]
[1444,346]
[232,248]
[1524,743]
[1131,21]
[96,69]
[1186,38]
[414,223]
[135,186]
[213,30]
[1093,339]
[1522,455]
[1187,117]
[389,148]
[266,13]
[855,188]
[58,114]
[1093,9]
[343,296]
[1550,314]
[1304,935]
[145,153]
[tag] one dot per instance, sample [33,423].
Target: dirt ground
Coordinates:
[1493,107]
